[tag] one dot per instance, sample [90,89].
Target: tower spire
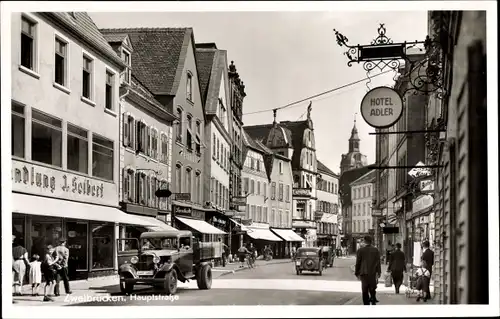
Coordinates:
[274,114]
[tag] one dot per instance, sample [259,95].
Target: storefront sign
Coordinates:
[381,107]
[304,192]
[239,201]
[41,180]
[186,211]
[419,171]
[427,185]
[422,203]
[182,196]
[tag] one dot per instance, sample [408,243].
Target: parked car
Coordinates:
[328,255]
[164,257]
[309,259]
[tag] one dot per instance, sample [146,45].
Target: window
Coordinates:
[179,125]
[164,148]
[251,163]
[128,185]
[280,198]
[258,188]
[189,87]
[273,190]
[188,180]
[126,58]
[28,43]
[364,191]
[281,167]
[246,185]
[287,194]
[264,189]
[46,139]
[87,78]
[78,145]
[154,143]
[128,130]
[109,90]
[197,187]
[142,140]
[102,245]
[18,129]
[252,187]
[265,217]
[214,145]
[178,178]
[198,138]
[60,62]
[102,157]
[154,187]
[259,213]
[218,148]
[258,166]
[189,134]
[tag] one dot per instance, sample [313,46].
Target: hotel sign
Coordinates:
[50,182]
[381,107]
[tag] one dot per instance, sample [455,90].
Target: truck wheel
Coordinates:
[126,288]
[204,278]
[170,283]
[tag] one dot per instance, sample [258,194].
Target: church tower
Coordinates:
[353,159]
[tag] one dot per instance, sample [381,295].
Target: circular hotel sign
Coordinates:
[381,107]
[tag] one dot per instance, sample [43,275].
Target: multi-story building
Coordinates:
[461,191]
[327,206]
[214,83]
[237,94]
[172,78]
[362,194]
[297,143]
[145,146]
[65,139]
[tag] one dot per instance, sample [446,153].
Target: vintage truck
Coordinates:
[161,258]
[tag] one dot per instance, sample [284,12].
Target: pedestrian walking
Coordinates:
[35,274]
[19,262]
[225,250]
[62,253]
[242,253]
[397,266]
[294,252]
[428,257]
[368,270]
[49,270]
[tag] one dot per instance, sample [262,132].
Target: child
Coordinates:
[35,274]
[423,281]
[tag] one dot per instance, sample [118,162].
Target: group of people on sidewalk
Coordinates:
[53,268]
[368,270]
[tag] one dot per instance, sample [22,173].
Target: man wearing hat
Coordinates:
[62,252]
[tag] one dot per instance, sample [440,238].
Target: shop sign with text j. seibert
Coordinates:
[45,181]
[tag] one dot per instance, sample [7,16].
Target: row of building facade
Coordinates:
[114,115]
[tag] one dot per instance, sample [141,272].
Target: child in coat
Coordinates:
[35,274]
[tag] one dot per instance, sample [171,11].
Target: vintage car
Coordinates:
[309,259]
[161,258]
[328,255]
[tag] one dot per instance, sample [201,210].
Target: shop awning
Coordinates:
[329,218]
[243,227]
[201,226]
[262,233]
[287,234]
[159,225]
[36,205]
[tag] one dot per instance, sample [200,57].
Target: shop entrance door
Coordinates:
[77,237]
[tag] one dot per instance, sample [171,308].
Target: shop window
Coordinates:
[18,129]
[78,145]
[102,245]
[77,238]
[45,231]
[46,139]
[102,157]
[18,229]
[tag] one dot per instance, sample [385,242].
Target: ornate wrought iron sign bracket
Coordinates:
[423,63]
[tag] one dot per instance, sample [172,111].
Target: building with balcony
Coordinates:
[362,194]
[327,206]
[295,140]
[65,140]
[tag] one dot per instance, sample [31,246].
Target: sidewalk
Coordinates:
[107,287]
[386,299]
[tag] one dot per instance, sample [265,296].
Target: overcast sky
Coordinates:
[283,57]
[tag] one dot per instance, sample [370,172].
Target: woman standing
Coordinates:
[20,260]
[49,270]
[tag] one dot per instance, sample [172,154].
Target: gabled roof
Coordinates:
[158,56]
[365,179]
[115,38]
[323,169]
[211,78]
[295,129]
[82,25]
[205,64]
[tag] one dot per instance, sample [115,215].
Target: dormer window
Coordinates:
[128,62]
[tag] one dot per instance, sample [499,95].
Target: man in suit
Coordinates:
[397,265]
[368,270]
[62,252]
[428,257]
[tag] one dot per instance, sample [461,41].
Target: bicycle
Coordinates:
[250,261]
